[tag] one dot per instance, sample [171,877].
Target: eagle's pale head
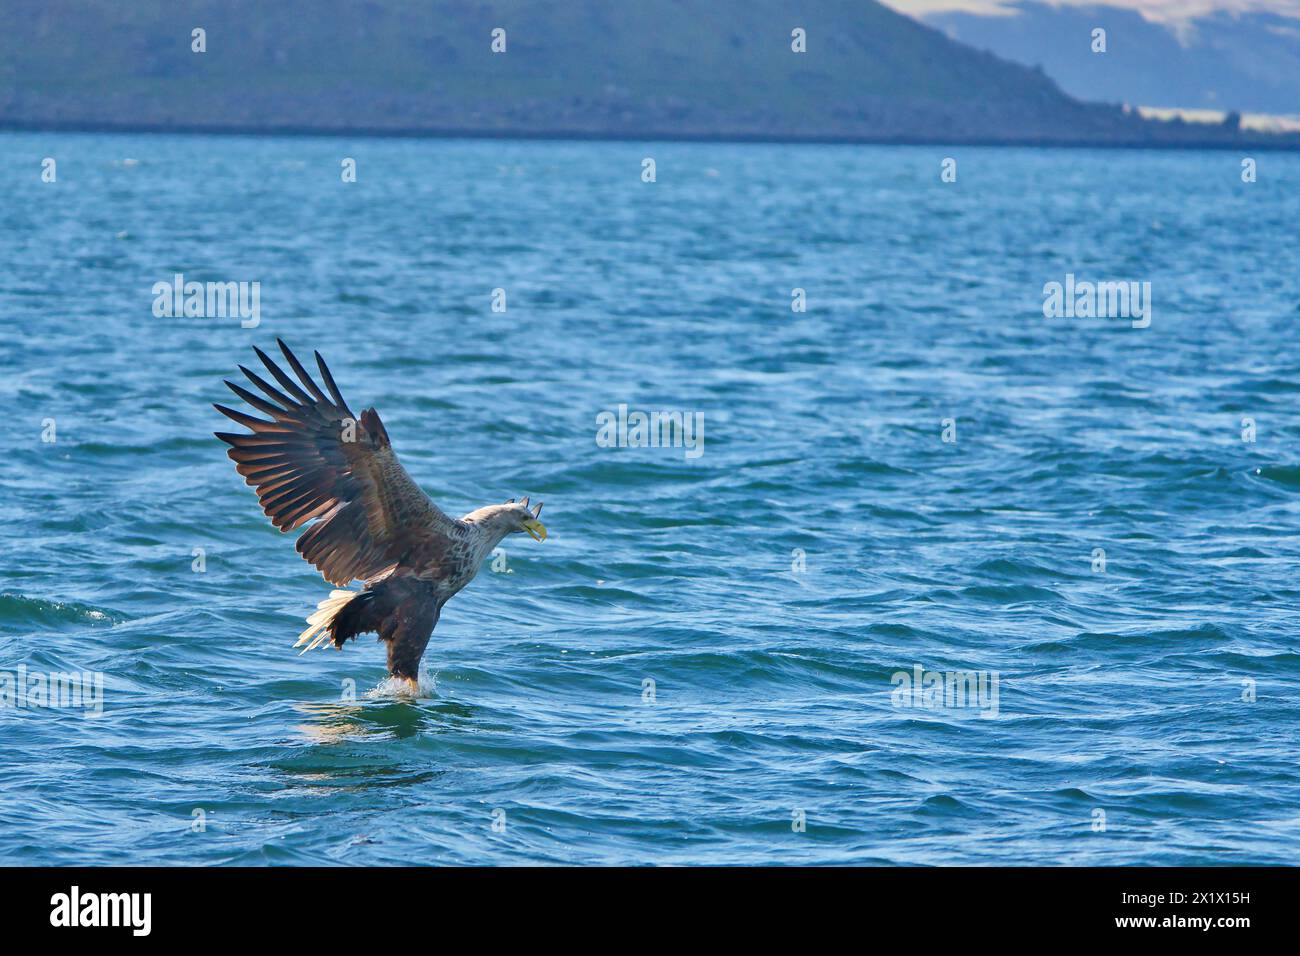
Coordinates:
[525,520]
[513,517]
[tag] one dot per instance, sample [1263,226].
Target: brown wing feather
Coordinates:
[370,514]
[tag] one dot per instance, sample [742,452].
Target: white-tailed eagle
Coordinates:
[315,461]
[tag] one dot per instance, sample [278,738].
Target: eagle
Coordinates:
[315,461]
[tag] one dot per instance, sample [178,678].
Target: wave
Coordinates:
[1288,475]
[1011,594]
[36,612]
[1021,570]
[1181,639]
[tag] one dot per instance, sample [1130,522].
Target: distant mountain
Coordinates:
[676,68]
[1248,62]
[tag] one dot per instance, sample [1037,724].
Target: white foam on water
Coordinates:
[400,688]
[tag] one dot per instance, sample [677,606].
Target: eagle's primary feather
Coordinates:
[315,461]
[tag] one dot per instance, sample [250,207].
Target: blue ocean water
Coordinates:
[701,665]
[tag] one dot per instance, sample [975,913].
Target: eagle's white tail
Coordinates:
[318,624]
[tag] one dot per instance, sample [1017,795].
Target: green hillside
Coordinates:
[683,68]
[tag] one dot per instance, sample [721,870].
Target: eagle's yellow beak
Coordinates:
[536,530]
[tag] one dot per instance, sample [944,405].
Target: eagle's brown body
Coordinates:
[316,461]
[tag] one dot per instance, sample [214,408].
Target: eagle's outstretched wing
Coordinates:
[316,460]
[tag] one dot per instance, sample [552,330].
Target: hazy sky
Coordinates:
[1151,9]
